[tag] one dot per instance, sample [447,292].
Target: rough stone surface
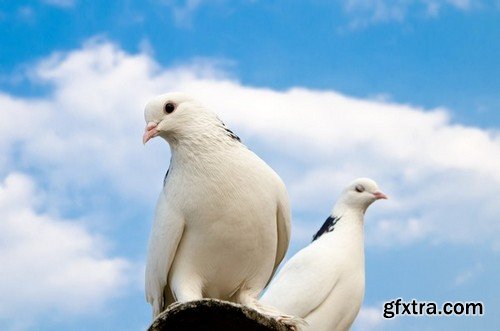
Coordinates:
[212,314]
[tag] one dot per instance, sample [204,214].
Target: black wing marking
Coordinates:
[232,135]
[165,179]
[229,132]
[328,226]
[168,170]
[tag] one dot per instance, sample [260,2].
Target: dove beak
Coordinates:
[150,132]
[379,195]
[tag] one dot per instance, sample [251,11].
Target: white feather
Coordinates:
[165,235]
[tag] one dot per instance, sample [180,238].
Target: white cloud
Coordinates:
[442,177]
[183,11]
[468,275]
[369,318]
[461,4]
[366,12]
[399,232]
[91,124]
[49,264]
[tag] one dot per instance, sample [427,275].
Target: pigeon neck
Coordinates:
[202,149]
[200,143]
[344,206]
[355,216]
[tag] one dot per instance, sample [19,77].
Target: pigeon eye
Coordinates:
[359,188]
[169,108]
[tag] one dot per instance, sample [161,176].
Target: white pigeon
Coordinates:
[222,221]
[324,282]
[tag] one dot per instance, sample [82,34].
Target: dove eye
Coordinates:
[359,188]
[169,108]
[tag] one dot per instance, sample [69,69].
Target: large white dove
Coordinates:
[222,221]
[324,282]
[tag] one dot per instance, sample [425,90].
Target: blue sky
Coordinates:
[404,92]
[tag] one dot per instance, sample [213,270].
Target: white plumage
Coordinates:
[222,222]
[324,282]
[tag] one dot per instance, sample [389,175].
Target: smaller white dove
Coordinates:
[324,282]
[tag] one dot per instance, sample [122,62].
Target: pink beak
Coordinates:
[150,132]
[379,195]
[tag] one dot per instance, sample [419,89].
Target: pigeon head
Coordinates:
[176,115]
[361,193]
